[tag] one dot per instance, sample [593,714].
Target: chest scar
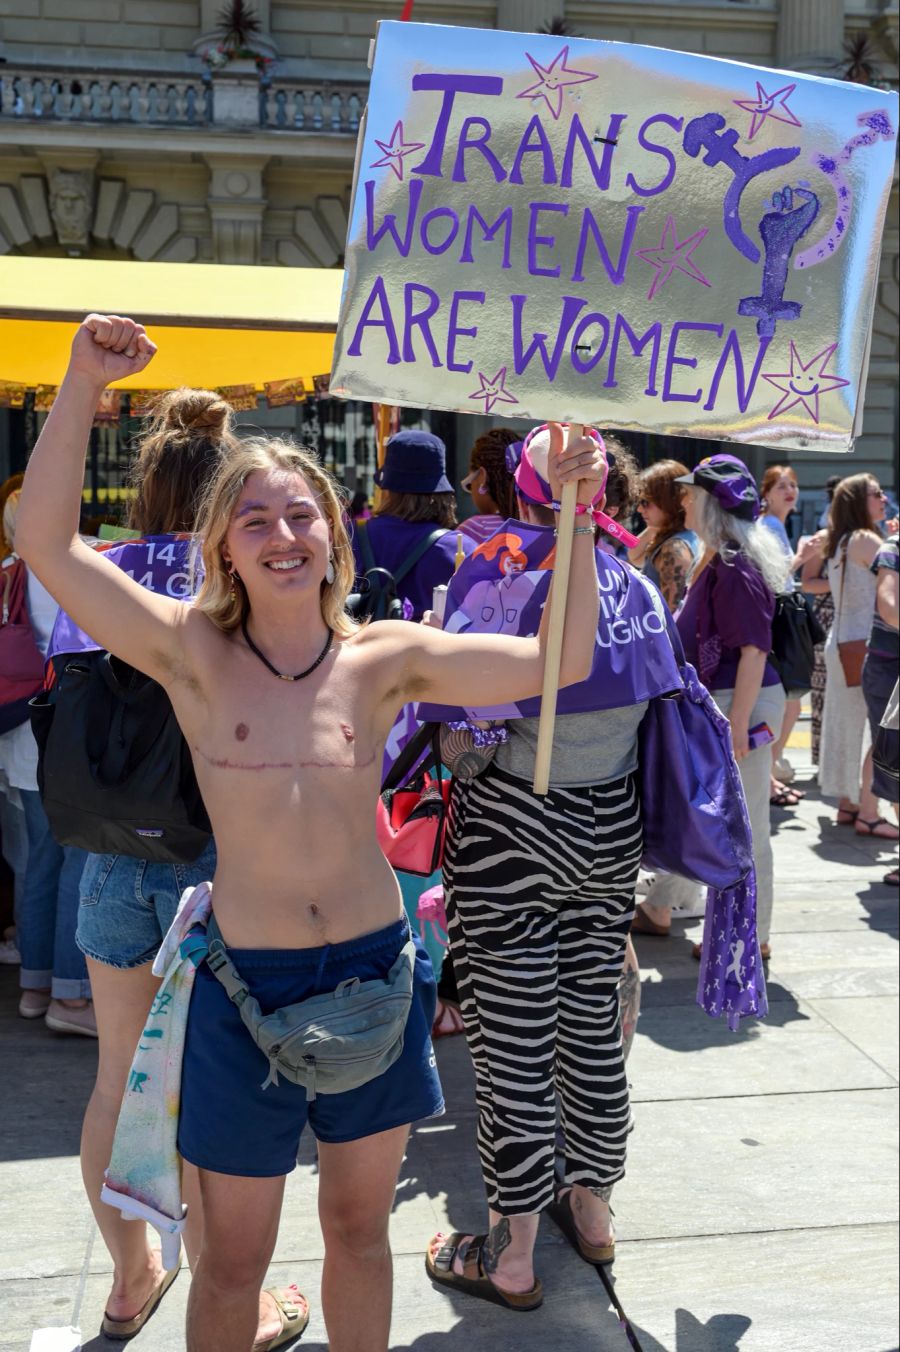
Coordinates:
[223,763]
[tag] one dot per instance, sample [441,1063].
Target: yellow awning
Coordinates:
[213,324]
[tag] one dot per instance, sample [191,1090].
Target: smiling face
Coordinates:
[278,539]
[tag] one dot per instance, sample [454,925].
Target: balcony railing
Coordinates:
[190,101]
[306,106]
[67,96]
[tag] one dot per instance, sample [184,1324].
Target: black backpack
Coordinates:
[377,598]
[796,632]
[114,771]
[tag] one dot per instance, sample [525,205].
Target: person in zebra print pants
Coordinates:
[540,895]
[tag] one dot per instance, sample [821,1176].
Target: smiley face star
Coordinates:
[395,150]
[767,105]
[671,256]
[552,80]
[804,382]
[493,391]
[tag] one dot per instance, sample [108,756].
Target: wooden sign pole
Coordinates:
[564,541]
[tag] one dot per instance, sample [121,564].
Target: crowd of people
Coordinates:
[286,704]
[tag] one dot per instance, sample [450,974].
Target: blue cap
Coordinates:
[415,461]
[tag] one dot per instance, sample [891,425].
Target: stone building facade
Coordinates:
[121,138]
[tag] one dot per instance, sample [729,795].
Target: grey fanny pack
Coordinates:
[329,1043]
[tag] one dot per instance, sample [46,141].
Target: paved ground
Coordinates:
[759,1210]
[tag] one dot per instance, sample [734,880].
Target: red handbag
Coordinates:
[411,816]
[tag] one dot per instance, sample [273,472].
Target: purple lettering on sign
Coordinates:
[503,222]
[706,133]
[419,320]
[582,344]
[590,229]
[653,335]
[577,134]
[672,360]
[522,357]
[378,295]
[480,143]
[455,330]
[536,241]
[534,142]
[744,387]
[437,214]
[487,86]
[389,224]
[655,148]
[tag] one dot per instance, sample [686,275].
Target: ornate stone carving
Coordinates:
[72,206]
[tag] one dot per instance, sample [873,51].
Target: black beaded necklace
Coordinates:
[283,676]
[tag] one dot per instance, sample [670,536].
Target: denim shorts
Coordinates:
[127,904]
[229,1124]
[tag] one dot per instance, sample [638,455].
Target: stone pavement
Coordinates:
[760,1205]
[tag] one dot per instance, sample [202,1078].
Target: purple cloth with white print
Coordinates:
[501,589]
[161,563]
[732,981]
[727,608]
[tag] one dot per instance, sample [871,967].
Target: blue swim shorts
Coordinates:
[126,905]
[229,1124]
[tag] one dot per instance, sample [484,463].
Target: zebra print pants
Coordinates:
[540,897]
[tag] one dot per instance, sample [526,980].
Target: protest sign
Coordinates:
[547,227]
[501,588]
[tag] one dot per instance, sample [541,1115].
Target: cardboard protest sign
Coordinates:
[501,588]
[551,227]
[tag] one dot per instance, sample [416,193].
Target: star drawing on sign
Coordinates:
[764,105]
[671,256]
[493,390]
[552,80]
[395,150]
[802,384]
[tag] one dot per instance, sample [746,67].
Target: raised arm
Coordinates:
[487,669]
[143,629]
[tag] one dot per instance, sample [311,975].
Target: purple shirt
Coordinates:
[393,540]
[728,608]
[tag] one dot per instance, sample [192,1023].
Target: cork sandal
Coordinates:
[120,1329]
[473,1280]
[598,1255]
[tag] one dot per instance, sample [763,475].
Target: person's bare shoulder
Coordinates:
[863,546]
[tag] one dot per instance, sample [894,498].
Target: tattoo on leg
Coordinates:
[603,1193]
[499,1239]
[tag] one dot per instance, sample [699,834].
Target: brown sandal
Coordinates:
[598,1255]
[294,1319]
[127,1328]
[642,924]
[473,1280]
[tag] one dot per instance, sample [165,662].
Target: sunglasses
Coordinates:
[642,503]
[877,493]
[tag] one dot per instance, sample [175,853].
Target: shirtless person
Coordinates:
[289,770]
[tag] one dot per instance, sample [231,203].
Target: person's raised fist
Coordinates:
[108,348]
[582,460]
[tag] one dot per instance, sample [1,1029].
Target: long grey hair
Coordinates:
[728,535]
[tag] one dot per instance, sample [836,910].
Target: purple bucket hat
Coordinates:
[730,483]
